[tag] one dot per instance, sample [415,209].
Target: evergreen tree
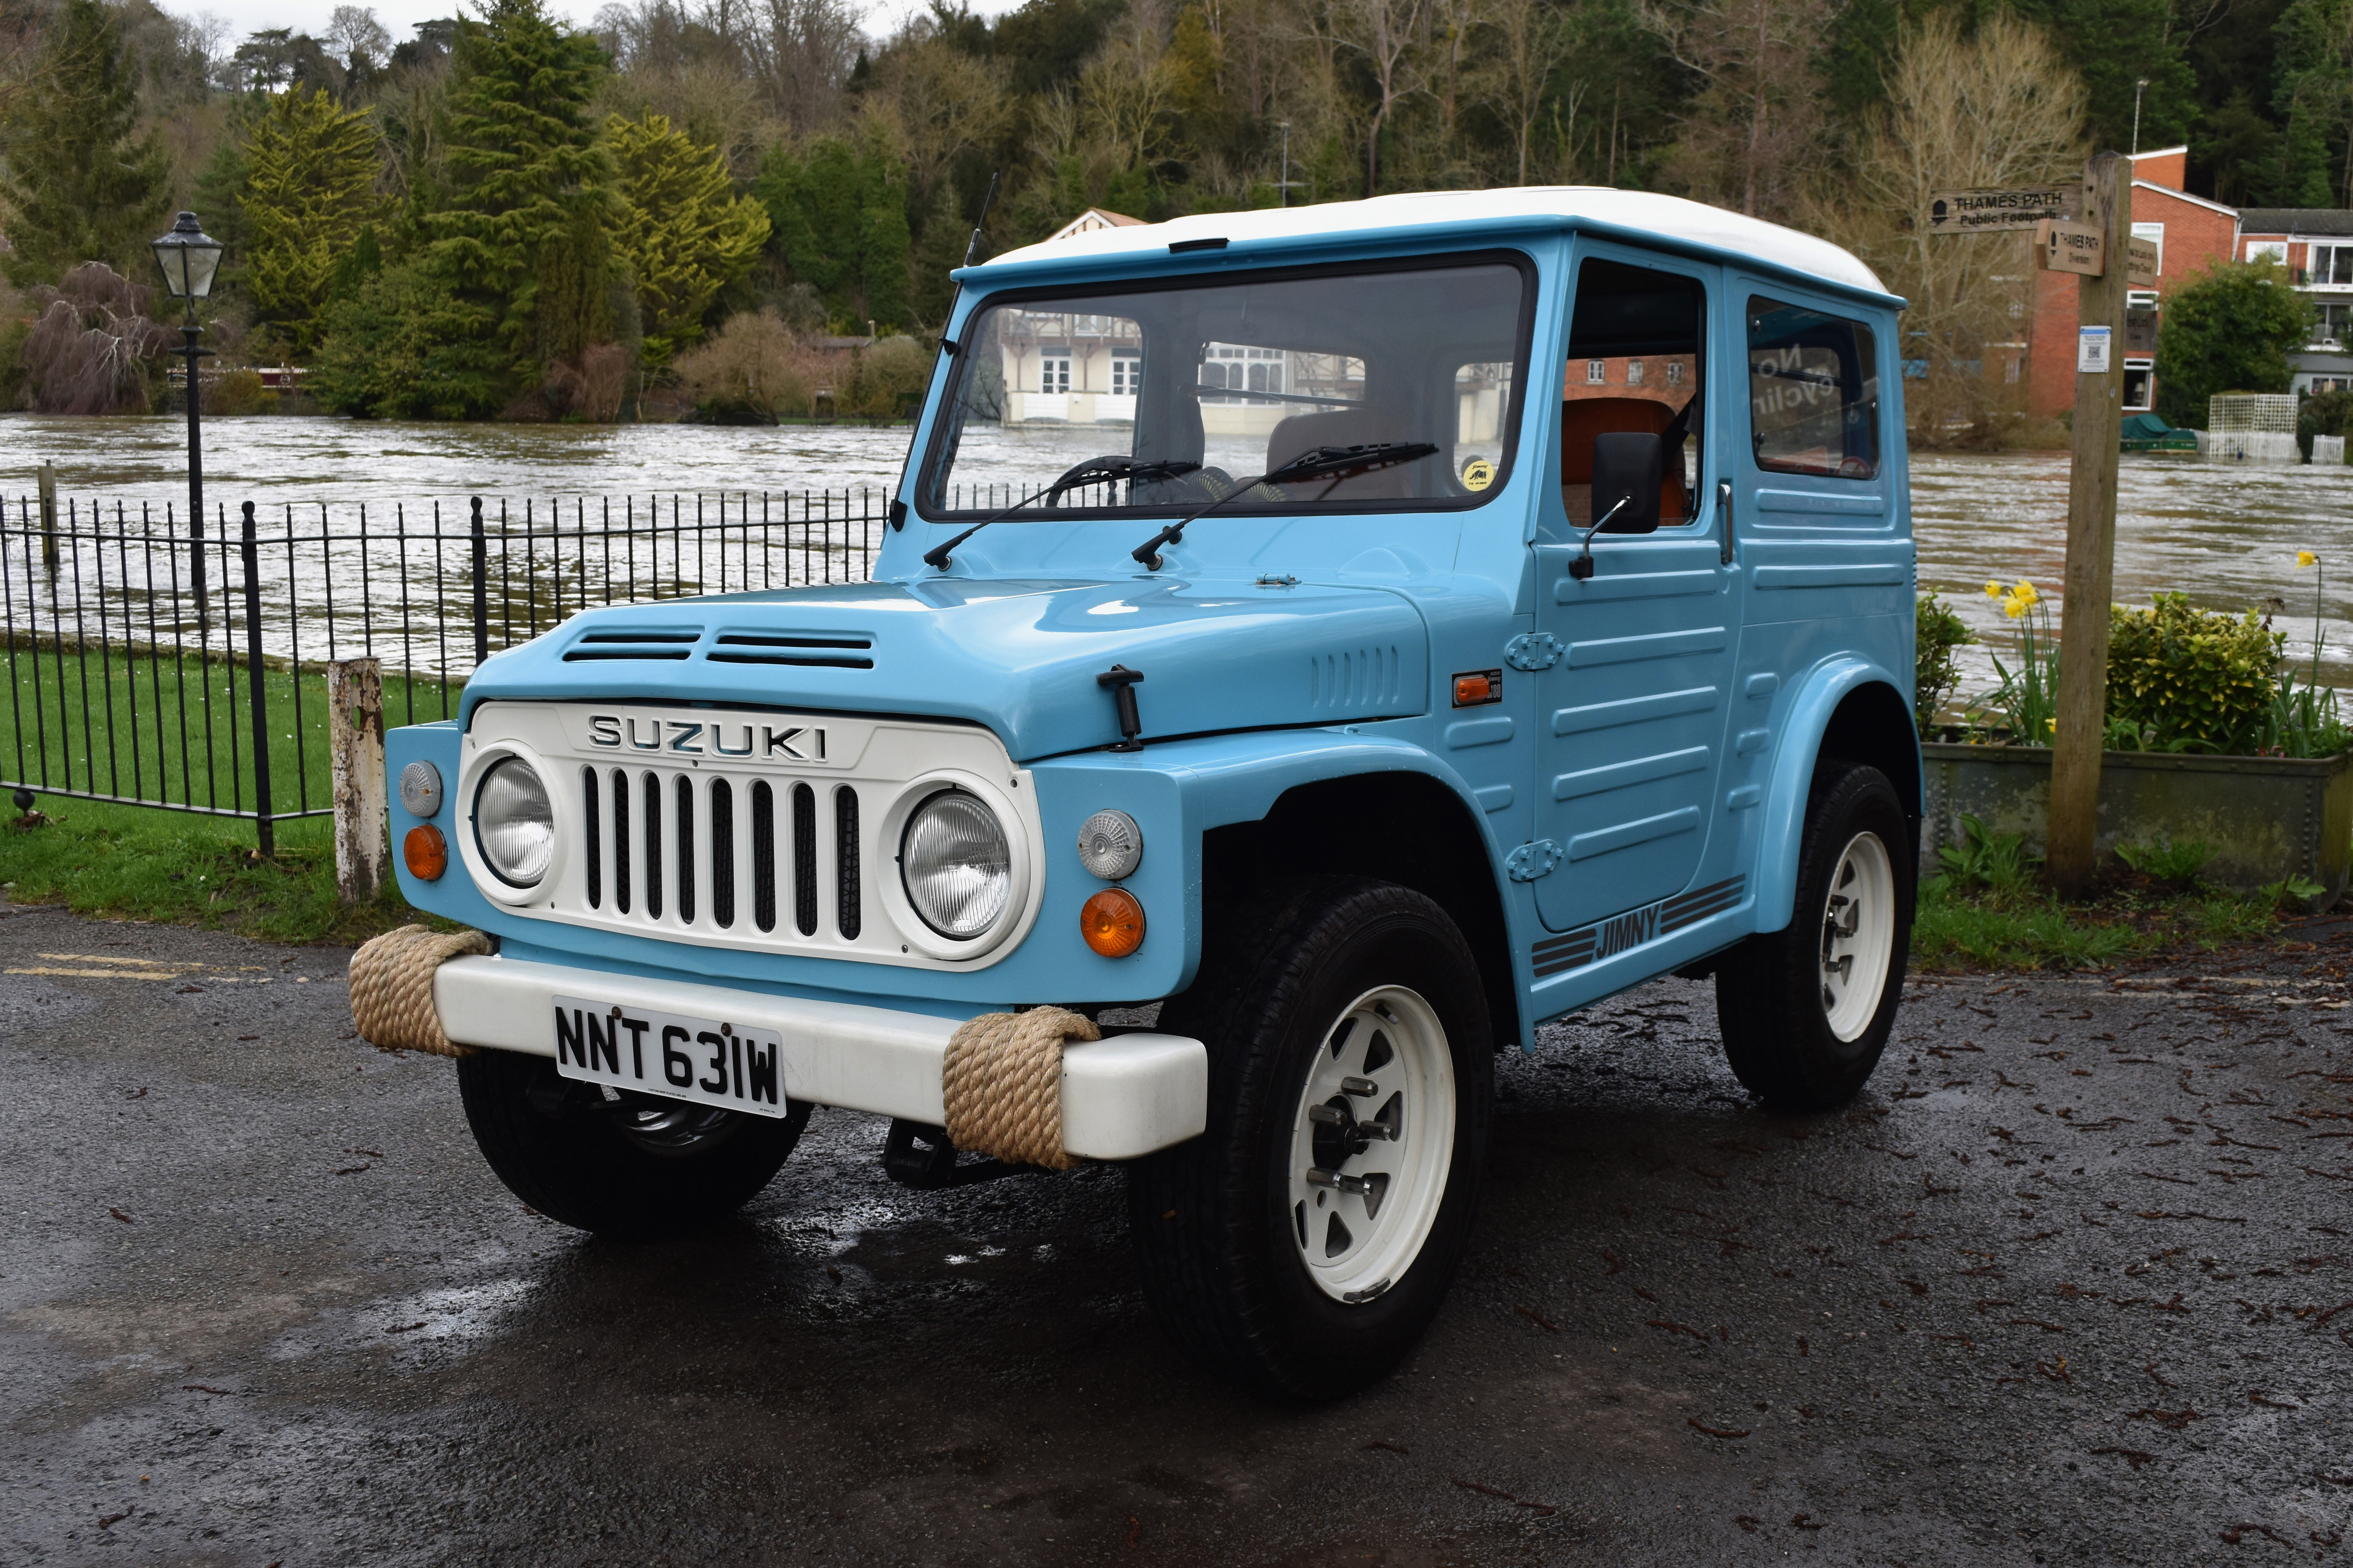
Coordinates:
[400,347]
[309,191]
[838,215]
[2230,330]
[524,164]
[80,186]
[685,232]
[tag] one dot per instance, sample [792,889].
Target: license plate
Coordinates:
[711,1062]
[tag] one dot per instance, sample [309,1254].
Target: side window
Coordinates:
[1635,343]
[1813,392]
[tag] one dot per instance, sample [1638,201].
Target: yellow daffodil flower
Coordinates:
[2305,558]
[1993,589]
[2025,592]
[2013,606]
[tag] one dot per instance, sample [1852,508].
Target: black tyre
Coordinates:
[1304,1243]
[1805,1011]
[643,1168]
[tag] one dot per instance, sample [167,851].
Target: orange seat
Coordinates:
[1583,418]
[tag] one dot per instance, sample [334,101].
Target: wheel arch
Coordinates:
[1349,824]
[1849,709]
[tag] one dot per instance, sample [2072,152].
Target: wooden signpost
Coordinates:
[2078,232]
[2074,818]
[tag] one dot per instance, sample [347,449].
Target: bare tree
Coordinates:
[355,34]
[802,54]
[2002,108]
[1755,131]
[1383,33]
[1529,41]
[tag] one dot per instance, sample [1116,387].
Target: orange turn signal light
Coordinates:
[427,853]
[1113,923]
[1477,687]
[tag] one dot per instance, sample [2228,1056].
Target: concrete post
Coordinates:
[356,750]
[47,476]
[2090,542]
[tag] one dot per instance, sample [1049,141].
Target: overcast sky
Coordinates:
[399,16]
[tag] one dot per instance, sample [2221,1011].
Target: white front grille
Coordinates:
[761,831]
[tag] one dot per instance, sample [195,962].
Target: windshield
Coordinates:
[1214,383]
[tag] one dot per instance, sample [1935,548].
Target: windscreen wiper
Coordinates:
[1334,463]
[1089,472]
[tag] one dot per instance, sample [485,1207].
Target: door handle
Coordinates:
[1723,506]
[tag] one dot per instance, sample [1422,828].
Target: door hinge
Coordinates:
[1530,861]
[1533,650]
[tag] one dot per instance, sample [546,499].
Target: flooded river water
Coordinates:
[2227,534]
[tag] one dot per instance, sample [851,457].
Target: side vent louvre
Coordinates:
[783,648]
[666,644]
[1362,679]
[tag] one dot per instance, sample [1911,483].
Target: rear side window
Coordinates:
[1813,392]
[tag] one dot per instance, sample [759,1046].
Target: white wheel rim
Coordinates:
[1858,934]
[1366,1186]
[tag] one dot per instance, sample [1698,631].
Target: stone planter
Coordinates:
[2267,817]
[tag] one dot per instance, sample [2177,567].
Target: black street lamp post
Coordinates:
[189,258]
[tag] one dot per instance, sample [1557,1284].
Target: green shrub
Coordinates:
[2166,860]
[1936,672]
[1997,862]
[2192,679]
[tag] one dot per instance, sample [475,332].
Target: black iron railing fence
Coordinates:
[156,664]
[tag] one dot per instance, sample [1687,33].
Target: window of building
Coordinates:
[2155,234]
[1054,371]
[1634,373]
[2140,388]
[1597,371]
[2329,266]
[1813,391]
[2267,250]
[2332,324]
[1675,372]
[1126,374]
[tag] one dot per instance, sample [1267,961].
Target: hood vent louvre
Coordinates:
[795,648]
[668,643]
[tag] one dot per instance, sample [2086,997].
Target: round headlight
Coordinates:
[513,824]
[1111,845]
[955,865]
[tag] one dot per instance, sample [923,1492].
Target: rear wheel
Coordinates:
[640,1167]
[1805,1011]
[1304,1242]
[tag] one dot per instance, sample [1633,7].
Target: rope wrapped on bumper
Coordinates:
[392,987]
[1003,1083]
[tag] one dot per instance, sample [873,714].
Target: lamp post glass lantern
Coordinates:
[190,257]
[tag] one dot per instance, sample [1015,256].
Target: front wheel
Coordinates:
[1805,1011]
[639,1167]
[1303,1243]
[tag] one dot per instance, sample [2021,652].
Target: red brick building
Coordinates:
[2189,233]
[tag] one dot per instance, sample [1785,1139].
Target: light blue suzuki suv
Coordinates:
[1316,647]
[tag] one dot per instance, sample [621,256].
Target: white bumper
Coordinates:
[1121,1097]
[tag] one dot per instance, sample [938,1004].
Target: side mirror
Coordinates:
[1628,467]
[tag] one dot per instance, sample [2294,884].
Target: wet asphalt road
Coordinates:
[2074,1283]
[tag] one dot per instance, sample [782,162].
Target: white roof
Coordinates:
[1636,210]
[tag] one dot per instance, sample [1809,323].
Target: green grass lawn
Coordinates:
[121,861]
[2026,928]
[160,727]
